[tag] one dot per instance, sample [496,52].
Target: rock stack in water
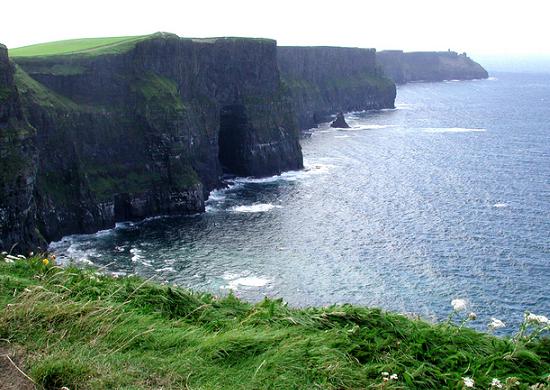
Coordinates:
[340,122]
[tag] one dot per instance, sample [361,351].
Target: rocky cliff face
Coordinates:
[429,66]
[326,80]
[149,130]
[18,159]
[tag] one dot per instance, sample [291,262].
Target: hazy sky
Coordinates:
[475,26]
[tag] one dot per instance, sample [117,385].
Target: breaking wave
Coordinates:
[255,208]
[451,130]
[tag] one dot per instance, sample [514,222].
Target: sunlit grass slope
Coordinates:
[83,330]
[73,46]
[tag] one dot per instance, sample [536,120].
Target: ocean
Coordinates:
[447,196]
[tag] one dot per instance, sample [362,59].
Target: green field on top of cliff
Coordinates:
[73,46]
[107,45]
[80,329]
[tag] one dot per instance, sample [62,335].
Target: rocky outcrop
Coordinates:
[18,160]
[429,66]
[326,80]
[340,122]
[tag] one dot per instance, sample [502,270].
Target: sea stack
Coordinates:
[340,122]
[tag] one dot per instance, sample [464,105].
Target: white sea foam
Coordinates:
[451,130]
[369,127]
[136,254]
[492,78]
[404,106]
[255,208]
[341,136]
[217,195]
[269,179]
[211,209]
[103,233]
[500,205]
[239,280]
[317,168]
[124,225]
[154,218]
[165,269]
[310,168]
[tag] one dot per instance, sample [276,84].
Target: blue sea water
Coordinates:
[447,196]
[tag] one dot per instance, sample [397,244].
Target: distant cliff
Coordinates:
[326,80]
[429,66]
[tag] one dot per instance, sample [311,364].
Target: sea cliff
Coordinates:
[18,164]
[429,66]
[325,80]
[147,125]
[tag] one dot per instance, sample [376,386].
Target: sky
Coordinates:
[487,29]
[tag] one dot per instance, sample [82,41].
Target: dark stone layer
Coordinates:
[325,80]
[429,66]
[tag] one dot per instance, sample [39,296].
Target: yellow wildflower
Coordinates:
[45,261]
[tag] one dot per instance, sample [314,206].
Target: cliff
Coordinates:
[326,80]
[147,127]
[18,159]
[429,66]
[102,130]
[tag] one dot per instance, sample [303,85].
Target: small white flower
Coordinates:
[468,382]
[472,316]
[537,319]
[31,253]
[393,377]
[458,304]
[496,323]
[496,383]
[385,373]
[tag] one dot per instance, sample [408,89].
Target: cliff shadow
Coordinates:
[232,140]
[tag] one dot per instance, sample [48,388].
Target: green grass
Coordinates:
[73,46]
[106,45]
[87,331]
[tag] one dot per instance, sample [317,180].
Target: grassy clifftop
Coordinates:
[105,45]
[79,329]
[73,46]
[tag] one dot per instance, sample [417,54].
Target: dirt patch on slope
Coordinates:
[10,377]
